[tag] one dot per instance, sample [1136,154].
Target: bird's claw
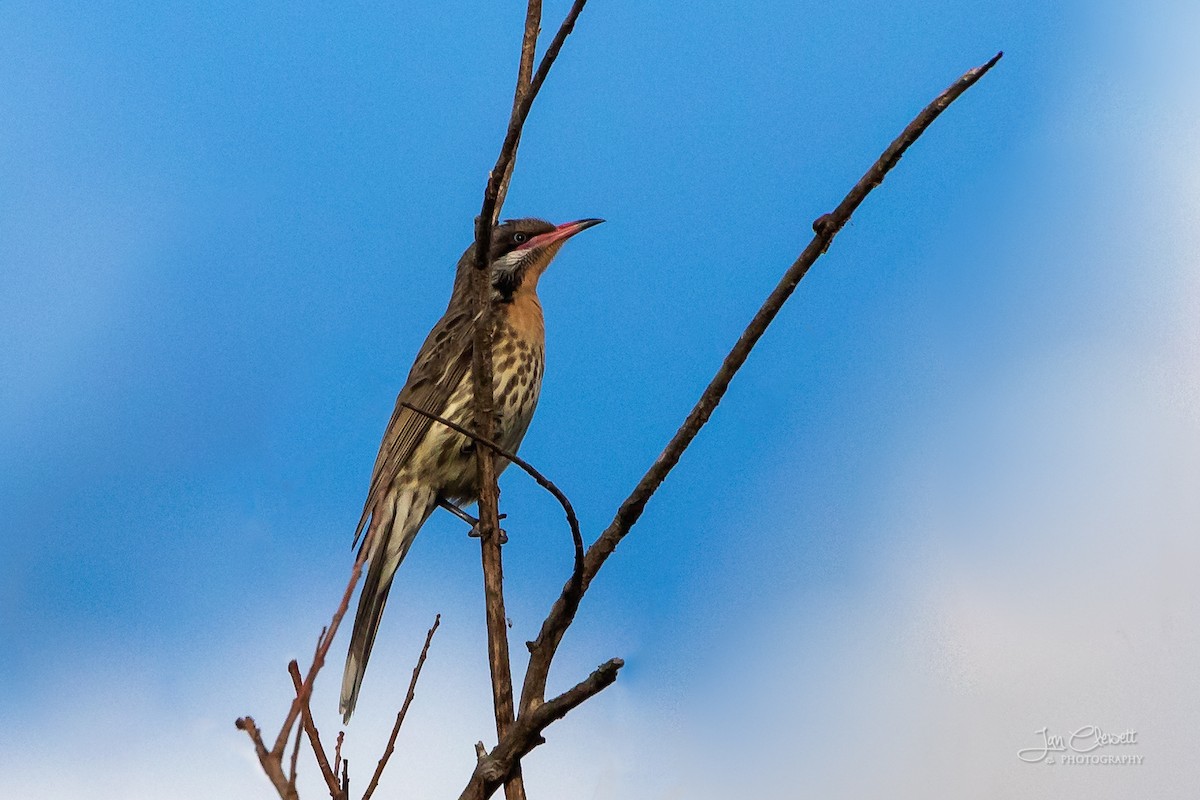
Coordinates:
[475,534]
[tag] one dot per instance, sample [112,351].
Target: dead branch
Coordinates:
[482,378]
[494,768]
[337,756]
[825,228]
[561,615]
[314,738]
[408,698]
[295,758]
[533,22]
[272,760]
[271,765]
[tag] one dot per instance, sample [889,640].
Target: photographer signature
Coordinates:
[1082,740]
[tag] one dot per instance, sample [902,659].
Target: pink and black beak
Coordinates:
[560,234]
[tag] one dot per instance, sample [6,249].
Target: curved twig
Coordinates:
[531,471]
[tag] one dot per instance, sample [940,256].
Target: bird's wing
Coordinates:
[443,360]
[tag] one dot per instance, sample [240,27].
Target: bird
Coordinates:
[422,464]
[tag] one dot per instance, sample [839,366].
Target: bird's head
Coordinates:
[523,248]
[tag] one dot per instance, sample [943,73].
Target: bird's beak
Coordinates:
[561,233]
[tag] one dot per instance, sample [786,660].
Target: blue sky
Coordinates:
[224,232]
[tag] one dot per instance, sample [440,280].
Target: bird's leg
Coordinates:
[456,511]
[467,518]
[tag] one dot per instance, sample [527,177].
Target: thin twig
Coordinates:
[512,137]
[272,760]
[563,612]
[533,22]
[530,470]
[564,30]
[337,753]
[295,758]
[408,698]
[271,765]
[314,737]
[323,648]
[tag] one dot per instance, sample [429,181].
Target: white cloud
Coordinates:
[1041,572]
[1040,568]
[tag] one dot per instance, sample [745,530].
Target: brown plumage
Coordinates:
[420,462]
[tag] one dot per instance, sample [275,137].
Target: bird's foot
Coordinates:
[474,533]
[472,521]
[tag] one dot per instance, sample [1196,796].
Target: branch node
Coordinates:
[491,770]
[824,225]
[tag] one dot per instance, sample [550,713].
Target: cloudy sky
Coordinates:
[951,501]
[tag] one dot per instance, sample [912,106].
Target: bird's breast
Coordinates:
[518,364]
[517,367]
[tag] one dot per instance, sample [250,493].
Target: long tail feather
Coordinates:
[394,536]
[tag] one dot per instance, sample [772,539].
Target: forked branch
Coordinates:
[520,729]
[561,615]
[272,760]
[494,768]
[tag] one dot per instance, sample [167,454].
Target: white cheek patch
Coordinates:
[509,261]
[507,271]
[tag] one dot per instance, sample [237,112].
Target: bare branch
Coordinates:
[271,765]
[563,612]
[533,22]
[408,698]
[322,649]
[564,30]
[495,767]
[482,378]
[337,755]
[508,150]
[314,738]
[295,758]
[272,760]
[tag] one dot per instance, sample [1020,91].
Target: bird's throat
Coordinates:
[524,314]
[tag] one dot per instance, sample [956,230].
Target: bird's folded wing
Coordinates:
[441,364]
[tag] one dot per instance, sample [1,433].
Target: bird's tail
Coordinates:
[389,538]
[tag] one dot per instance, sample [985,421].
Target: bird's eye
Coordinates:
[520,238]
